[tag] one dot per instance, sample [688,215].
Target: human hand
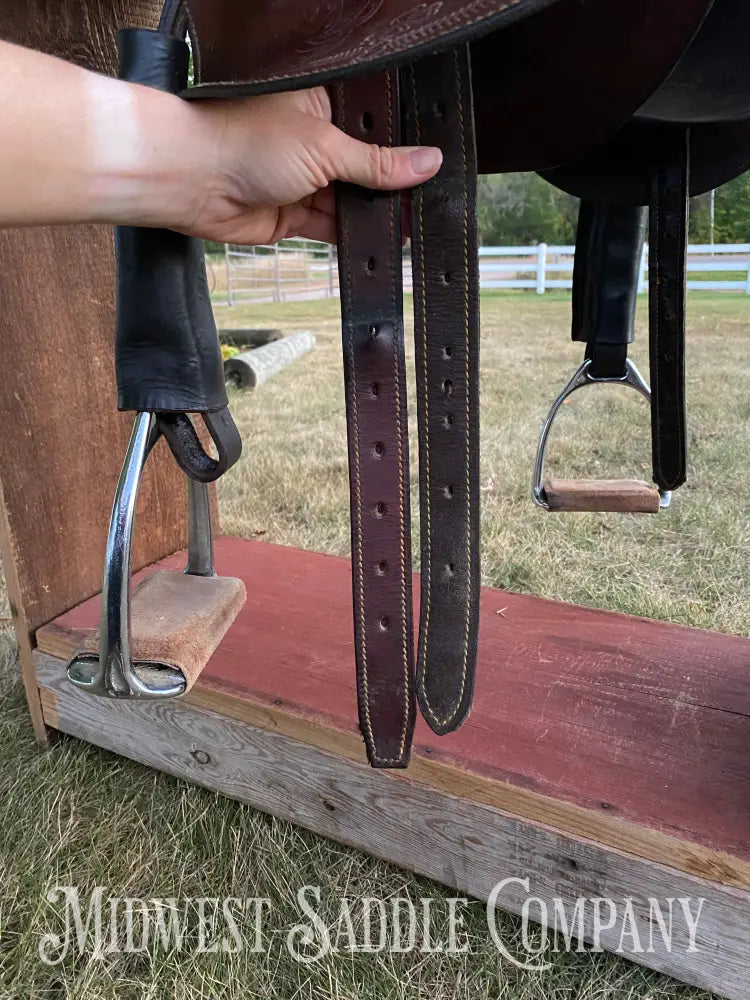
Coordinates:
[269,166]
[78,147]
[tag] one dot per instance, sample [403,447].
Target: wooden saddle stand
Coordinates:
[656,109]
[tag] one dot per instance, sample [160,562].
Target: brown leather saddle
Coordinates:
[626,103]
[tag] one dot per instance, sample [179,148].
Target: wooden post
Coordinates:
[62,440]
[541,268]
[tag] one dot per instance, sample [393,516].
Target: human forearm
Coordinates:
[76,146]
[79,147]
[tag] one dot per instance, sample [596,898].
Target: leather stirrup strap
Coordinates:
[438,111]
[667,236]
[369,235]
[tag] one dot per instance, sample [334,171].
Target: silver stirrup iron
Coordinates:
[113,673]
[581,378]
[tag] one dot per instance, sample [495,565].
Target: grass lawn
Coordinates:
[75,815]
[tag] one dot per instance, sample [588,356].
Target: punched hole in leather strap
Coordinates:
[626,496]
[176,622]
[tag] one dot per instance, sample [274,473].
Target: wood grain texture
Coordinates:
[465,845]
[629,732]
[62,441]
[25,647]
[624,496]
[81,31]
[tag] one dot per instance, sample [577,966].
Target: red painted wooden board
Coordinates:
[628,718]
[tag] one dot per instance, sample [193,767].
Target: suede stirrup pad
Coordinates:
[178,619]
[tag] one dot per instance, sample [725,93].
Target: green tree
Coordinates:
[733,211]
[523,209]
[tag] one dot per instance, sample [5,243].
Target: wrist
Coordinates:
[151,156]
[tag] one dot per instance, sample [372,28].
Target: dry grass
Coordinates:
[686,565]
[77,815]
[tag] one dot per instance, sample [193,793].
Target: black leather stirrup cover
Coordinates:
[606,270]
[167,353]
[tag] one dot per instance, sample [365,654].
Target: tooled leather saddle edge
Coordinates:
[257,55]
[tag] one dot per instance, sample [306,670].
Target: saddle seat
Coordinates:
[520,52]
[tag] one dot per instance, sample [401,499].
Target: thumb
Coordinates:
[384,167]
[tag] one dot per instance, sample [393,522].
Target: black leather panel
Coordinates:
[153,58]
[711,82]
[620,170]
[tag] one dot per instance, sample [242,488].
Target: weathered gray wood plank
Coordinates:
[456,841]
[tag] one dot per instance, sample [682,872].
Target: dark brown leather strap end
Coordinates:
[369,232]
[439,111]
[667,238]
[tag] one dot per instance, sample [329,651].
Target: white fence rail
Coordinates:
[297,270]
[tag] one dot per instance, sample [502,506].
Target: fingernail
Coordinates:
[425,159]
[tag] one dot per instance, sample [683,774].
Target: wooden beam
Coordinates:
[627,732]
[464,844]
